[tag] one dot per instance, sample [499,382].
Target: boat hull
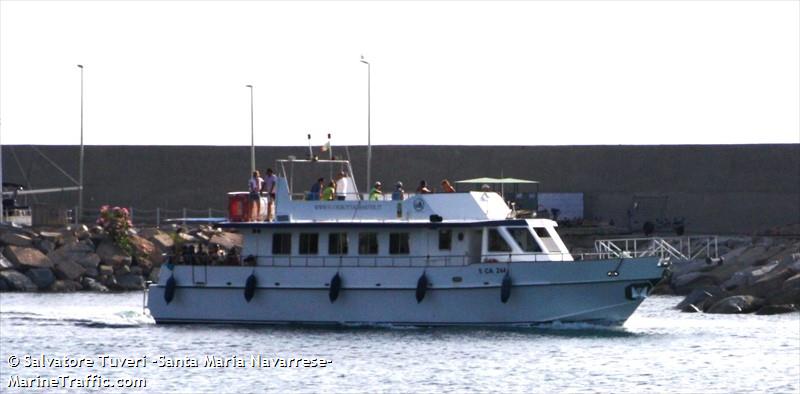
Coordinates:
[601,292]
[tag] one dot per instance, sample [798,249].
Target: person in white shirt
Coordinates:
[342,186]
[254,186]
[270,183]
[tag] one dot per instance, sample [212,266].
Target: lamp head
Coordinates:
[248,86]
[80,66]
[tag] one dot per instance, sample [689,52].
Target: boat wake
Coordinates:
[121,319]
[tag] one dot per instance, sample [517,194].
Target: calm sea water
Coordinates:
[658,350]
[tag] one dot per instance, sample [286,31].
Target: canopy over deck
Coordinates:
[498,180]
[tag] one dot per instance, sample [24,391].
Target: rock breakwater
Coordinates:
[753,275]
[88,259]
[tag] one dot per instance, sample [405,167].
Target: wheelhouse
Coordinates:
[402,243]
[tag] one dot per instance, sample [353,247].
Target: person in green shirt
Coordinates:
[328,194]
[376,193]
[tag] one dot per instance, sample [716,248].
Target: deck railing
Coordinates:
[674,248]
[390,261]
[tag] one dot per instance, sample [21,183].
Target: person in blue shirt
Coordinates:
[398,193]
[316,189]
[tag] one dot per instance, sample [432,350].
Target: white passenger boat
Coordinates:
[423,260]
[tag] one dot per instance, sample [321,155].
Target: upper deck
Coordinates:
[469,206]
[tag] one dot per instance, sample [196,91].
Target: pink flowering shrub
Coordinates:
[116,221]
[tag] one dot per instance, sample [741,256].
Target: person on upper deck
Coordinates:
[398,193]
[447,187]
[342,186]
[328,194]
[254,186]
[376,193]
[270,183]
[316,189]
[423,187]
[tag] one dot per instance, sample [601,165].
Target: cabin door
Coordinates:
[474,246]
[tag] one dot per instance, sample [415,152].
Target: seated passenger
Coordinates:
[329,193]
[398,193]
[376,193]
[447,187]
[423,188]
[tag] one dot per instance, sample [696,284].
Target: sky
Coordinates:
[472,73]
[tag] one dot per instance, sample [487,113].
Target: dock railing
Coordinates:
[673,248]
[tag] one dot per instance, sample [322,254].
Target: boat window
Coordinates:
[337,243]
[523,237]
[368,243]
[496,242]
[398,243]
[309,243]
[547,240]
[282,243]
[445,239]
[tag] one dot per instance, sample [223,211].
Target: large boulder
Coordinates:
[66,269]
[788,293]
[16,239]
[701,298]
[72,251]
[17,281]
[227,241]
[93,285]
[89,261]
[54,237]
[767,284]
[737,304]
[777,309]
[113,255]
[44,245]
[130,281]
[684,267]
[65,286]
[27,257]
[41,277]
[4,263]
[164,241]
[147,249]
[684,284]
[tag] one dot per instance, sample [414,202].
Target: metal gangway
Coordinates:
[672,248]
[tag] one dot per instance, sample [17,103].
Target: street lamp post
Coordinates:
[80,166]
[369,124]
[252,134]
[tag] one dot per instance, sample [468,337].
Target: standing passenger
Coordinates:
[254,186]
[342,186]
[269,187]
[316,189]
[329,192]
[398,193]
[376,193]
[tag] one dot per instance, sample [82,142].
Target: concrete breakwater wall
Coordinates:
[716,188]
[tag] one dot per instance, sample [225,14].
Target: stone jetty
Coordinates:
[88,259]
[753,275]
